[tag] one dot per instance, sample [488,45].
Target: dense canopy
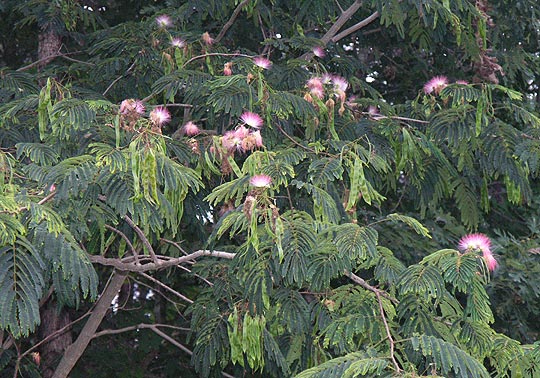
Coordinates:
[267,188]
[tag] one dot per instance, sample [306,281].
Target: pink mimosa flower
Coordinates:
[230,141]
[132,106]
[318,51]
[252,119]
[178,42]
[241,132]
[490,262]
[160,116]
[262,62]
[207,39]
[326,78]
[260,181]
[227,69]
[479,242]
[191,129]
[317,92]
[163,21]
[314,82]
[258,138]
[436,84]
[340,83]
[373,110]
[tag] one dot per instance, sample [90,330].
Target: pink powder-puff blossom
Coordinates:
[163,21]
[191,129]
[131,105]
[257,138]
[262,62]
[314,82]
[260,181]
[178,42]
[317,92]
[252,119]
[326,78]
[230,141]
[479,242]
[340,83]
[207,39]
[319,52]
[160,115]
[490,262]
[241,132]
[435,85]
[227,69]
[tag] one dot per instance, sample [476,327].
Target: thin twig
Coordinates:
[50,57]
[136,327]
[126,239]
[216,54]
[175,244]
[196,275]
[120,77]
[360,281]
[379,116]
[143,238]
[388,334]
[56,333]
[229,23]
[168,288]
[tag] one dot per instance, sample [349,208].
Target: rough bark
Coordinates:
[49,45]
[53,319]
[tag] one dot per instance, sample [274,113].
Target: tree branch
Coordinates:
[59,55]
[343,18]
[216,54]
[135,327]
[171,290]
[356,27]
[75,350]
[126,239]
[119,77]
[143,238]
[388,334]
[360,281]
[231,20]
[160,263]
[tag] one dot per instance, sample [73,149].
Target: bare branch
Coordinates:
[143,238]
[343,18]
[56,333]
[175,244]
[216,54]
[229,23]
[171,290]
[126,239]
[59,55]
[360,281]
[136,327]
[160,263]
[356,27]
[388,334]
[120,77]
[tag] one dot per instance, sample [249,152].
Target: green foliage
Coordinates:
[341,260]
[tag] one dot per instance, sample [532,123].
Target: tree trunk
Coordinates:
[75,351]
[53,319]
[49,45]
